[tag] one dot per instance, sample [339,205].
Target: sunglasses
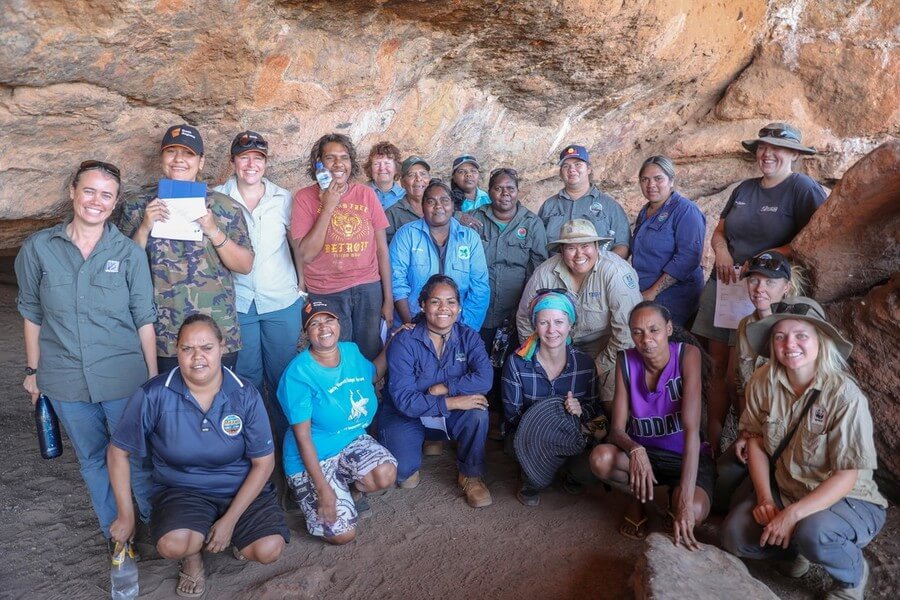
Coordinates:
[778,132]
[89,165]
[797,308]
[770,264]
[505,171]
[253,141]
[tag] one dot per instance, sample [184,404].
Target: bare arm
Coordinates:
[147,335]
[724,261]
[690,412]
[664,282]
[622,251]
[32,358]
[617,434]
[384,270]
[155,211]
[310,457]
[122,529]
[402,307]
[235,257]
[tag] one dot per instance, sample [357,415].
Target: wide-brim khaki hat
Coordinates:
[784,135]
[577,231]
[799,308]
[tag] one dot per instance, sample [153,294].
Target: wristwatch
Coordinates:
[30,371]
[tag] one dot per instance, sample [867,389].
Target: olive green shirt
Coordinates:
[89,312]
[747,360]
[835,435]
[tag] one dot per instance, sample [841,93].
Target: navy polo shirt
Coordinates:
[207,452]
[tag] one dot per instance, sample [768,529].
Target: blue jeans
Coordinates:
[403,437]
[359,312]
[90,426]
[833,538]
[269,344]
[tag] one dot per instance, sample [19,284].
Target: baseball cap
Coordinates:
[461,160]
[579,152]
[249,141]
[771,264]
[185,136]
[316,307]
[412,161]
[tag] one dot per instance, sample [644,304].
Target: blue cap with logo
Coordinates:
[579,152]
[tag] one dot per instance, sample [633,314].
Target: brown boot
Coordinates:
[477,493]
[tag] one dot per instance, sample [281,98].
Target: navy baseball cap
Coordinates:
[249,141]
[412,161]
[771,264]
[185,136]
[317,307]
[579,152]
[461,160]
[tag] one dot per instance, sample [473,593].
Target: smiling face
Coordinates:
[415,181]
[437,207]
[466,178]
[553,327]
[336,159]
[655,184]
[765,291]
[650,332]
[441,308]
[580,258]
[181,164]
[795,344]
[774,162]
[323,331]
[574,173]
[384,171]
[93,196]
[199,354]
[504,194]
[249,167]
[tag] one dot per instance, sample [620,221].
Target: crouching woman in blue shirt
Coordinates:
[211,444]
[438,373]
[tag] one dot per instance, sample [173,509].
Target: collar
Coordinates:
[781,378]
[593,192]
[59,231]
[230,382]
[420,333]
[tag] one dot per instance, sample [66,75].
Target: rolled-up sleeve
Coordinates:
[140,289]
[851,443]
[689,226]
[404,380]
[28,275]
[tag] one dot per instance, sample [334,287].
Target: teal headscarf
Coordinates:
[553,300]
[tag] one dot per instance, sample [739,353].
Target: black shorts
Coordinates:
[667,470]
[175,508]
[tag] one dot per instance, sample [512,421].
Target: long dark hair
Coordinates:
[428,288]
[315,154]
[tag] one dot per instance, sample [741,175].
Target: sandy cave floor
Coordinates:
[422,543]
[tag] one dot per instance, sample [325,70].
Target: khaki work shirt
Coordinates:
[836,434]
[747,360]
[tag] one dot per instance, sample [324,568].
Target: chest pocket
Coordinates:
[109,293]
[814,447]
[458,269]
[773,431]
[57,291]
[514,253]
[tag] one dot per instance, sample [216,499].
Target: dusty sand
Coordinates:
[422,543]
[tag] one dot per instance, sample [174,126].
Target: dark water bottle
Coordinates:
[47,428]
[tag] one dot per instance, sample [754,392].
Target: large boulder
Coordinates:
[669,572]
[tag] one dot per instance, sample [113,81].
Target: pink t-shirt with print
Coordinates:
[348,257]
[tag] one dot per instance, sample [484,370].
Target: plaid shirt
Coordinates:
[525,382]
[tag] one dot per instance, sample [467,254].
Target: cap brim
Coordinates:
[418,162]
[316,314]
[239,151]
[194,150]
[579,240]
[467,162]
[750,145]
[766,273]
[758,333]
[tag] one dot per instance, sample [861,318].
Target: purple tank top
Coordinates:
[655,420]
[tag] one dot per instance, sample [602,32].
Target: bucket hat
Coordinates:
[784,135]
[799,308]
[577,231]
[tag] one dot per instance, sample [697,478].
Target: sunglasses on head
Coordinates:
[778,132]
[505,171]
[796,308]
[253,141]
[770,264]
[89,165]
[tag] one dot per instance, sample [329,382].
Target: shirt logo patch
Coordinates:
[112,266]
[596,207]
[463,253]
[521,232]
[771,209]
[232,425]
[662,217]
[629,281]
[460,357]
[818,415]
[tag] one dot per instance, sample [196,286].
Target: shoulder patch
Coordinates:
[630,280]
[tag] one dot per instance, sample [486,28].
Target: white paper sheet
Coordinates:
[181,225]
[732,303]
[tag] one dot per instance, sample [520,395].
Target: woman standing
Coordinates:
[549,390]
[438,373]
[764,213]
[668,242]
[208,435]
[328,394]
[383,169]
[811,453]
[340,232]
[87,301]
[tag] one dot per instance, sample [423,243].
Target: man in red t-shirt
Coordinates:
[340,232]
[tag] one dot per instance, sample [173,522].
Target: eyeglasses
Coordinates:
[253,141]
[796,308]
[89,165]
[778,132]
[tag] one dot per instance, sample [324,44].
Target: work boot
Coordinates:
[477,493]
[435,448]
[410,482]
[794,568]
[840,592]
[529,496]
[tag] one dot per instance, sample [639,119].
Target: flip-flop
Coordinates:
[635,531]
[197,580]
[237,554]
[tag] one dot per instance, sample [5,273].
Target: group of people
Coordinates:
[173,364]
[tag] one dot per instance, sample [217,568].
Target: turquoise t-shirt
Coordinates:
[339,400]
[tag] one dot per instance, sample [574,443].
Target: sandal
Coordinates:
[635,531]
[199,581]
[237,554]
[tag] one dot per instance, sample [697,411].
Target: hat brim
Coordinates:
[552,246]
[411,165]
[194,150]
[750,145]
[771,274]
[316,314]
[466,162]
[758,333]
